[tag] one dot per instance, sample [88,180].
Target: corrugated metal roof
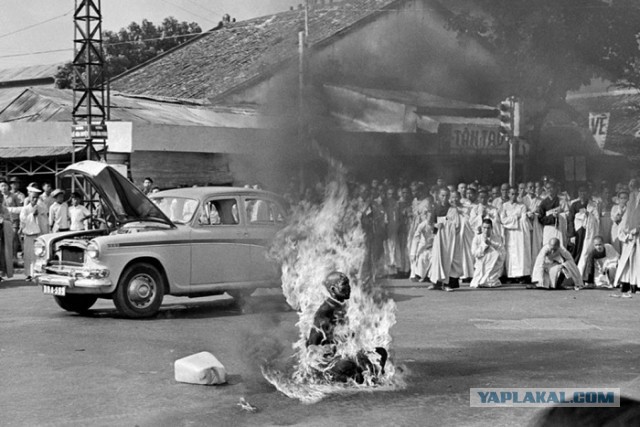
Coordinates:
[28,152]
[233,55]
[29,73]
[40,104]
[415,98]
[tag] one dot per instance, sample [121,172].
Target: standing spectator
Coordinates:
[58,212]
[462,190]
[522,192]
[33,223]
[617,212]
[532,201]
[420,252]
[517,232]
[46,197]
[15,189]
[552,216]
[13,204]
[483,210]
[404,206]
[6,240]
[78,214]
[583,225]
[393,214]
[504,196]
[147,185]
[371,216]
[489,253]
[446,265]
[628,272]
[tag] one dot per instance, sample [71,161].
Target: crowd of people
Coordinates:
[24,217]
[534,233]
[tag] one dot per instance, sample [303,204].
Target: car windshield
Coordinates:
[180,210]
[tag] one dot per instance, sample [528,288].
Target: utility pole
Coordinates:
[509,115]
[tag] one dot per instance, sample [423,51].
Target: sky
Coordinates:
[30,28]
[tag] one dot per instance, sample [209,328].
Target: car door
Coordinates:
[264,218]
[219,251]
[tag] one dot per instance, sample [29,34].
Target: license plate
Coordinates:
[54,290]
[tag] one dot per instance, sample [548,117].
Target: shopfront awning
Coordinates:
[31,152]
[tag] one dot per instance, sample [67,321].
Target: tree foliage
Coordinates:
[544,48]
[135,45]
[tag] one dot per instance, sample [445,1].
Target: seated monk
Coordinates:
[555,268]
[601,264]
[489,254]
[330,314]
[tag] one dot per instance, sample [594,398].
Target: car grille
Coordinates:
[70,255]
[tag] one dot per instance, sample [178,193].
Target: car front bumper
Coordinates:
[76,285]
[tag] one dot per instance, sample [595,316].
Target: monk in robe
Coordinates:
[555,268]
[517,232]
[489,255]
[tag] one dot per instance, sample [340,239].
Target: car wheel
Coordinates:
[140,291]
[76,303]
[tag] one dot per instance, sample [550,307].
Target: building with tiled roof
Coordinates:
[240,54]
[612,115]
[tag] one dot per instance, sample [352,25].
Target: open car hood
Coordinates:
[123,198]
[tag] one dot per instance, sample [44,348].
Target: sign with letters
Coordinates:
[599,125]
[475,139]
[81,132]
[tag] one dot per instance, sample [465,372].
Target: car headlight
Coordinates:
[39,248]
[92,250]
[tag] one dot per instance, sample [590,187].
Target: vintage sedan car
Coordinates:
[189,242]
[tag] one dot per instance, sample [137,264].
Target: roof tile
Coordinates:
[225,58]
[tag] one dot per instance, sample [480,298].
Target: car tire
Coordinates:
[140,291]
[76,303]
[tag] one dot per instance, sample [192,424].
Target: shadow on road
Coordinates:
[15,283]
[194,309]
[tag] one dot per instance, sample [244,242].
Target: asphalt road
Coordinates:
[60,369]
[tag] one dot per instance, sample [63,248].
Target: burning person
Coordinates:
[330,315]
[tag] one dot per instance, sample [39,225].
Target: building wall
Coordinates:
[179,169]
[404,49]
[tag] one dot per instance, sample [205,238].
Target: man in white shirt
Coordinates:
[58,212]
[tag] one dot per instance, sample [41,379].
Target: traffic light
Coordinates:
[506,117]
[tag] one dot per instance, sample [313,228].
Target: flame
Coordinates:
[317,241]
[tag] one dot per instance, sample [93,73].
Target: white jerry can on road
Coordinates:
[200,368]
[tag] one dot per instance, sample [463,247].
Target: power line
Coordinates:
[205,8]
[35,53]
[189,11]
[36,24]
[196,34]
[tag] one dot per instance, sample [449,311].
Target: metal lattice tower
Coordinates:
[89,131]
[89,112]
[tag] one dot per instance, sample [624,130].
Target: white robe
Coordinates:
[590,220]
[549,265]
[616,215]
[517,232]
[489,261]
[421,250]
[629,264]
[532,204]
[446,254]
[603,268]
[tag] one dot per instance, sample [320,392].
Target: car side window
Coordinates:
[261,211]
[219,212]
